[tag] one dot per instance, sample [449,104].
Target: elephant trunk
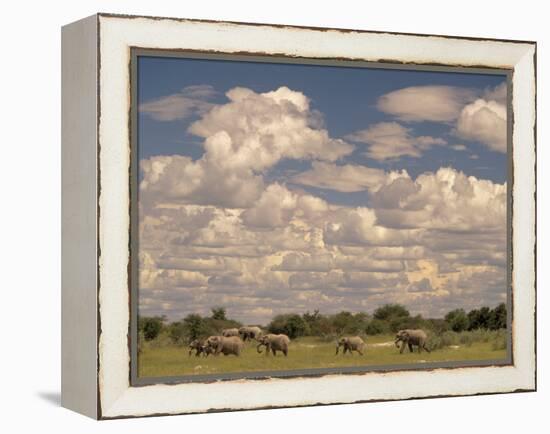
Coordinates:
[258,347]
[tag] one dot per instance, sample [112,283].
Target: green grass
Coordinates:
[304,353]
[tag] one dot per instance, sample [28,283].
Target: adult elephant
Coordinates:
[412,338]
[230,332]
[250,332]
[273,343]
[350,343]
[231,345]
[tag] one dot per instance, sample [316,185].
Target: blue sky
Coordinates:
[268,188]
[345,96]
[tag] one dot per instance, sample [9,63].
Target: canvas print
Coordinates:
[296,218]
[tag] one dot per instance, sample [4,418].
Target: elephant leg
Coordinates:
[403,345]
[285,352]
[411,349]
[359,351]
[274,351]
[426,348]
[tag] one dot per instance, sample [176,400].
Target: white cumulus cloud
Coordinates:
[345,178]
[391,140]
[426,103]
[216,231]
[191,100]
[242,139]
[484,121]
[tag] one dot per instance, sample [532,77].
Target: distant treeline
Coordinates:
[385,320]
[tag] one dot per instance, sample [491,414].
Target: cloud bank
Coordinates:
[217,231]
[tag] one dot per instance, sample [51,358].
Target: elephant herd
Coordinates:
[232,341]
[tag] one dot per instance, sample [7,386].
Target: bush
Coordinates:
[150,327]
[479,318]
[177,332]
[498,317]
[438,326]
[377,327]
[347,323]
[194,326]
[445,339]
[319,325]
[292,325]
[457,320]
[467,338]
[218,313]
[391,311]
[401,323]
[501,340]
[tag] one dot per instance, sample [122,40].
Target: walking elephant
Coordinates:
[230,332]
[412,338]
[231,345]
[250,332]
[351,343]
[273,343]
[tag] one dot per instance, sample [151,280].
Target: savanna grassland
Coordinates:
[168,359]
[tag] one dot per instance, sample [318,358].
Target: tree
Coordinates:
[318,325]
[391,311]
[407,322]
[377,327]
[498,317]
[218,313]
[458,320]
[342,322]
[479,318]
[438,325]
[150,326]
[194,326]
[292,325]
[176,332]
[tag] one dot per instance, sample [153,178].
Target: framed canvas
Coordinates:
[261,216]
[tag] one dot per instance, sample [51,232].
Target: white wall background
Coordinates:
[30,215]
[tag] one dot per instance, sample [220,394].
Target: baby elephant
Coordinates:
[412,338]
[273,343]
[198,346]
[352,343]
[231,345]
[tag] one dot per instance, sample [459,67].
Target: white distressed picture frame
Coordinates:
[96,219]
